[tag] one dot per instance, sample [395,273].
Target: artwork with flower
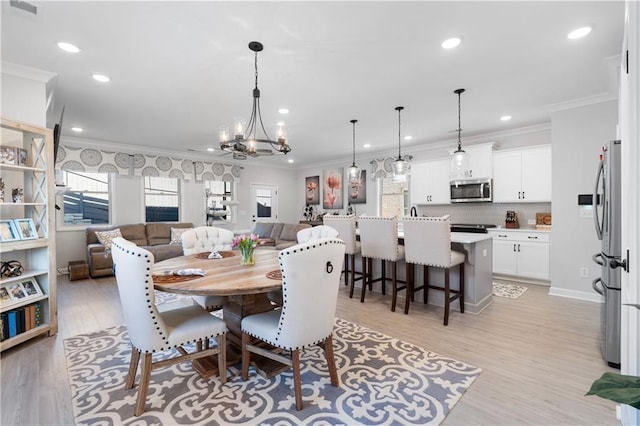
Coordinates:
[332,189]
[312,194]
[358,192]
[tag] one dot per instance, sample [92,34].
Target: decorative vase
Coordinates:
[247,256]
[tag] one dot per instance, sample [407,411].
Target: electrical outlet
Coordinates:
[584,272]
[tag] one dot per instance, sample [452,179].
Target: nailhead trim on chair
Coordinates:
[151,306]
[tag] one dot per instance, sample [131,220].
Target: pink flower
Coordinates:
[333,182]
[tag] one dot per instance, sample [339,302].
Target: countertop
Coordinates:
[503,229]
[463,237]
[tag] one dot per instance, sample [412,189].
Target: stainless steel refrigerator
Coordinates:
[606,214]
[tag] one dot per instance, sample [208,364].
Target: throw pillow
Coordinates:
[176,236]
[106,237]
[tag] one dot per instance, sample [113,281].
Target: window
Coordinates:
[219,201]
[161,199]
[393,197]
[87,200]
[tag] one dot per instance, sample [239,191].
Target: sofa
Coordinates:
[277,234]
[153,236]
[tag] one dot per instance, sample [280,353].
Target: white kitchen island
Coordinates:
[478,271]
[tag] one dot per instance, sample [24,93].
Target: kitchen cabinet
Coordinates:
[28,302]
[521,253]
[522,176]
[480,161]
[429,182]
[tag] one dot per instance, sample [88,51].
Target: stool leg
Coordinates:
[365,278]
[384,277]
[370,272]
[446,296]
[408,273]
[346,269]
[353,272]
[394,285]
[462,288]
[425,283]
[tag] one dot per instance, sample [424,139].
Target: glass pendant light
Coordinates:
[459,159]
[400,166]
[354,171]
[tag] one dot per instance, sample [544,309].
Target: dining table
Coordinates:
[245,287]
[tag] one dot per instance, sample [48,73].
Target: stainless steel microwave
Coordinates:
[471,190]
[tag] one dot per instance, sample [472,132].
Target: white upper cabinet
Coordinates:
[522,176]
[480,161]
[429,182]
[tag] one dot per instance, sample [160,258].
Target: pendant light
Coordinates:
[459,159]
[354,171]
[400,166]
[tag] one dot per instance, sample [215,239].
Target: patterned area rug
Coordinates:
[382,381]
[510,291]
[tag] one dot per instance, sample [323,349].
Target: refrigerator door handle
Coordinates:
[594,201]
[595,286]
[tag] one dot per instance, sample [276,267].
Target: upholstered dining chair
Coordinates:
[427,242]
[310,280]
[379,240]
[346,227]
[315,233]
[152,331]
[205,239]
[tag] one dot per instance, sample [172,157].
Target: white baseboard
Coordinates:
[575,294]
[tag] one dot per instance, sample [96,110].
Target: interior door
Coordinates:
[264,203]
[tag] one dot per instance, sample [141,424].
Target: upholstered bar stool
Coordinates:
[379,240]
[427,242]
[346,227]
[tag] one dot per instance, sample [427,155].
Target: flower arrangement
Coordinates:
[246,244]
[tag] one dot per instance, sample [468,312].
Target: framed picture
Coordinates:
[312,189]
[8,231]
[332,189]
[26,229]
[357,193]
[31,287]
[4,296]
[16,291]
[8,155]
[21,157]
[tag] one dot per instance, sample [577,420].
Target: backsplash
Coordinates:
[486,213]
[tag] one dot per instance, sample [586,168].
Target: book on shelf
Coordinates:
[19,320]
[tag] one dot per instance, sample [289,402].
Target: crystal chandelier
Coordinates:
[459,165]
[354,171]
[245,141]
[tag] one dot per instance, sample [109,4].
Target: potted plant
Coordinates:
[618,388]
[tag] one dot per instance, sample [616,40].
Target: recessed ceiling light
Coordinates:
[408,138]
[101,78]
[578,33]
[450,43]
[283,111]
[210,149]
[68,47]
[505,118]
[290,160]
[366,145]
[77,129]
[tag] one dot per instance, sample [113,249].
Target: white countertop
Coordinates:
[458,237]
[503,229]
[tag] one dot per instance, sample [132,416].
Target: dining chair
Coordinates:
[152,330]
[427,242]
[316,233]
[379,240]
[310,280]
[346,227]
[206,239]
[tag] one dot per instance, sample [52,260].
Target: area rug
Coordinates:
[382,381]
[510,291]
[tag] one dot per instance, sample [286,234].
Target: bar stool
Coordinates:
[427,242]
[346,227]
[379,240]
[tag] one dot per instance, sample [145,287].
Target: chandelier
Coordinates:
[401,165]
[459,159]
[354,171]
[246,141]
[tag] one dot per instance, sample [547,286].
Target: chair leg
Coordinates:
[295,355]
[409,287]
[222,357]
[365,278]
[462,288]
[425,284]
[245,357]
[145,376]
[446,296]
[370,272]
[394,285]
[331,361]
[353,273]
[346,269]
[133,367]
[384,277]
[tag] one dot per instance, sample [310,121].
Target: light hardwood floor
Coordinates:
[539,355]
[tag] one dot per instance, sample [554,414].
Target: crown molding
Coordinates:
[582,102]
[26,72]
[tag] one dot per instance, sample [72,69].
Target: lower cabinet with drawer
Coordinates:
[521,253]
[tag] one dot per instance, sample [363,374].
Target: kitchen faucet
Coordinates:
[414,212]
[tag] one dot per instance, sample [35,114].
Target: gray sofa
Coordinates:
[278,235]
[153,236]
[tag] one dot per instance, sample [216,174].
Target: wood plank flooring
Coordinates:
[539,354]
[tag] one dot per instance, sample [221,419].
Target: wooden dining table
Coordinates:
[245,287]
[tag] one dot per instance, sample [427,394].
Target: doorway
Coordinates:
[264,203]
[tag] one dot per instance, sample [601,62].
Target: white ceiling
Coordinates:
[180,70]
